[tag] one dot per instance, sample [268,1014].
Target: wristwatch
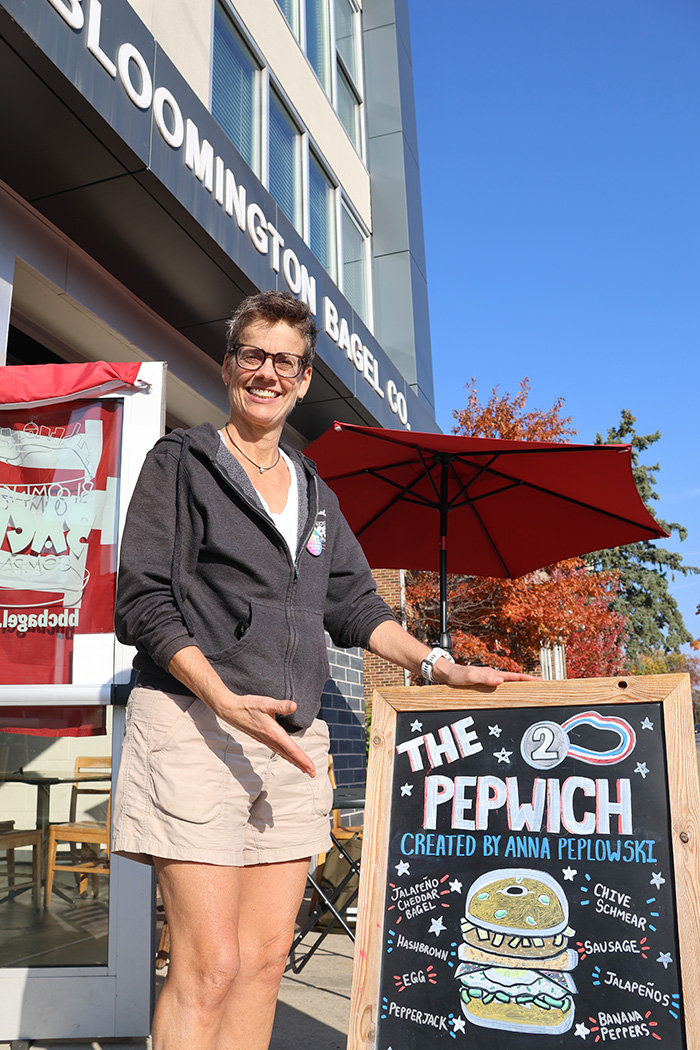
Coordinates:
[426,667]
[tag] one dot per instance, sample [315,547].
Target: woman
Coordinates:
[234,560]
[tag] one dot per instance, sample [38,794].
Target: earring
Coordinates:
[299,400]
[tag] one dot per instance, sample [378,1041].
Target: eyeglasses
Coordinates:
[251,358]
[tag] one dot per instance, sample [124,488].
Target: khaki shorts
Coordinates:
[193,788]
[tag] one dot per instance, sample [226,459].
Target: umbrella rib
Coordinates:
[399,495]
[515,482]
[464,485]
[411,462]
[438,458]
[494,548]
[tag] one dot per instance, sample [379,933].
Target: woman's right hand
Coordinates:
[252,714]
[255,715]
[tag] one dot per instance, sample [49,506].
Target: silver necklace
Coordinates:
[256,465]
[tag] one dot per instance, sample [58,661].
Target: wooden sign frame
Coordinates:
[672,691]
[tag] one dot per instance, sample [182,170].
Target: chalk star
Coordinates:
[406,789]
[495,730]
[569,874]
[416,727]
[503,755]
[456,886]
[582,1031]
[458,1024]
[657,879]
[665,958]
[641,768]
[437,926]
[403,867]
[646,724]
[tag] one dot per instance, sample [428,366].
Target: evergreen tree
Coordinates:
[654,620]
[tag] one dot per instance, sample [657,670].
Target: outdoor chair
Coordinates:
[335,882]
[10,840]
[340,831]
[88,840]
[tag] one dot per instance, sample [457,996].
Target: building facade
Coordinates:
[160,161]
[163,160]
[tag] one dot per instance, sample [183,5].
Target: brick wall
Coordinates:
[378,672]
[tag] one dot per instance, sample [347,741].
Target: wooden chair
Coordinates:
[10,840]
[85,860]
[340,831]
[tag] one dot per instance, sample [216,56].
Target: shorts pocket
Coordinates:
[167,719]
[317,746]
[186,766]
[322,794]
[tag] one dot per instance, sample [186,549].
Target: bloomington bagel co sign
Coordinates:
[126,65]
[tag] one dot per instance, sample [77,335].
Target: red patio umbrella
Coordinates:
[512,506]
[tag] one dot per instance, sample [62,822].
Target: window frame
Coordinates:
[268,86]
[344,205]
[259,121]
[312,152]
[336,62]
[355,83]
[274,91]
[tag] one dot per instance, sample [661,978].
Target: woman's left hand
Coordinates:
[460,675]
[390,641]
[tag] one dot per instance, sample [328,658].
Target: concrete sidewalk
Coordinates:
[313,1009]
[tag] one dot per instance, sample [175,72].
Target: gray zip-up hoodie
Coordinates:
[203,564]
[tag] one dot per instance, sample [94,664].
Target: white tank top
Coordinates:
[287,521]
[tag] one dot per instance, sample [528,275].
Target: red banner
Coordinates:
[54,721]
[59,482]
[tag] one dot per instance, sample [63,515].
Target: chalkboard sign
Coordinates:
[530,870]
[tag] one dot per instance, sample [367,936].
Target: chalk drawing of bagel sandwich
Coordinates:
[514,959]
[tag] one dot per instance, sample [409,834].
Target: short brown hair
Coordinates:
[270,308]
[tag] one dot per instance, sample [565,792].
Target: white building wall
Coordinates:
[184,29]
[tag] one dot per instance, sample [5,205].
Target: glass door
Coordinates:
[76,952]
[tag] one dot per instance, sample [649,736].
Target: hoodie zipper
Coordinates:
[292,650]
[294,565]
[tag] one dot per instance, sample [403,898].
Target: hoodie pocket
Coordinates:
[256,663]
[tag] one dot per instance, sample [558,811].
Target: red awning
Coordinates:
[32,385]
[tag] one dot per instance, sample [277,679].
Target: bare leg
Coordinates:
[202,905]
[270,897]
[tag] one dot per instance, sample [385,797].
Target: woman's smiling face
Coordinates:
[262,399]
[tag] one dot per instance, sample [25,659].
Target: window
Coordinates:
[318,40]
[348,109]
[338,68]
[285,161]
[252,110]
[345,35]
[290,10]
[236,90]
[322,240]
[354,264]
[347,66]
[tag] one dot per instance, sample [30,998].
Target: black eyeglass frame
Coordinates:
[266,353]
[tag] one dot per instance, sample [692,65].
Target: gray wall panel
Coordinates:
[401,302]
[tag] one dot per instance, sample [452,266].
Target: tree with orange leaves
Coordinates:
[504,416]
[504,623]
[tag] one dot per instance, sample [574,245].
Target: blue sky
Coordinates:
[559,148]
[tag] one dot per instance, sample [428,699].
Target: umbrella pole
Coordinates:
[445,639]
